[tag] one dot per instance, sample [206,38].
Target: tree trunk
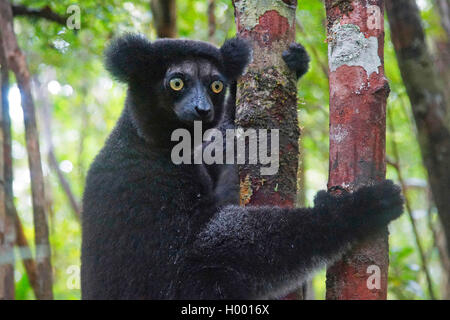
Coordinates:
[17,233]
[442,55]
[358,94]
[306,292]
[164,18]
[6,229]
[16,61]
[429,105]
[266,98]
[46,118]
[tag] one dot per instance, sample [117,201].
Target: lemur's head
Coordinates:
[176,81]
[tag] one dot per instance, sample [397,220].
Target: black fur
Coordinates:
[156,230]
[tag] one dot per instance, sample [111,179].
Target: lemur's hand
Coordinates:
[297,59]
[227,188]
[382,202]
[369,206]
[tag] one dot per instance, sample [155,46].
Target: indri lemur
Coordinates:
[156,230]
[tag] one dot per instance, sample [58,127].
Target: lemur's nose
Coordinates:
[203,112]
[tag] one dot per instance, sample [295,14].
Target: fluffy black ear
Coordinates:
[236,54]
[127,57]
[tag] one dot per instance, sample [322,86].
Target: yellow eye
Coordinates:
[176,84]
[217,86]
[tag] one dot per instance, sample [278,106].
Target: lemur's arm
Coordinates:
[251,252]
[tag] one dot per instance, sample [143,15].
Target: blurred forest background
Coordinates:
[77,105]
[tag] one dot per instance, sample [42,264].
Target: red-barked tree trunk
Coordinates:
[266,98]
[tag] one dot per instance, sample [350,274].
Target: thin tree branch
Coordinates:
[427,95]
[44,13]
[396,165]
[82,139]
[46,113]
